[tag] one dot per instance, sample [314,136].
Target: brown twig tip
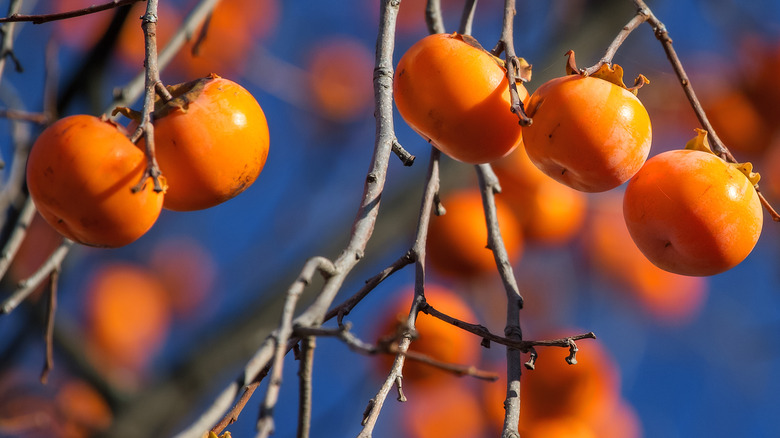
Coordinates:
[571,359]
[406,158]
[152,171]
[531,363]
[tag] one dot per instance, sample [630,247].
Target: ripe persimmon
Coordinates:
[456,95]
[588,133]
[211,142]
[457,240]
[436,339]
[691,213]
[80,173]
[128,315]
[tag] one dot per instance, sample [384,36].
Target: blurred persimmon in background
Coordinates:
[187,269]
[436,338]
[451,411]
[549,212]
[341,72]
[666,297]
[457,240]
[83,411]
[128,316]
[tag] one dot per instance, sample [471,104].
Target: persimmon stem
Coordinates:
[152,84]
[506,45]
[640,17]
[659,29]
[45,18]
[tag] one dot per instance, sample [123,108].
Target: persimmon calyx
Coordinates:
[701,143]
[609,72]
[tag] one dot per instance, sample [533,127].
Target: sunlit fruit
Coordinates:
[456,96]
[211,142]
[436,339]
[80,173]
[457,240]
[691,213]
[588,133]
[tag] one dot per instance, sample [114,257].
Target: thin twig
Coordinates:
[488,184]
[24,116]
[305,389]
[433,16]
[152,79]
[659,29]
[507,45]
[265,424]
[45,18]
[7,44]
[467,19]
[28,285]
[17,236]
[417,253]
[51,310]
[637,20]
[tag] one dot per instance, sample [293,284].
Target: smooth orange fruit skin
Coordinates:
[215,149]
[691,213]
[437,339]
[457,240]
[587,133]
[450,411]
[80,173]
[457,97]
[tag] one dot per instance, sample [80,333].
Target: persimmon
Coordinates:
[457,240]
[667,297]
[188,271]
[83,410]
[549,212]
[128,315]
[80,173]
[436,339]
[691,213]
[211,142]
[588,133]
[456,95]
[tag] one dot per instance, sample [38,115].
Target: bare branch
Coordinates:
[638,19]
[45,18]
[51,310]
[28,285]
[305,389]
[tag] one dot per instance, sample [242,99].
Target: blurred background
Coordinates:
[146,335]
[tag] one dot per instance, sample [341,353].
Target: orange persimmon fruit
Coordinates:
[211,142]
[80,173]
[457,240]
[587,132]
[436,339]
[456,95]
[691,213]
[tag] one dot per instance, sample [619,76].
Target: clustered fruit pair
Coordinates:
[688,211]
[211,142]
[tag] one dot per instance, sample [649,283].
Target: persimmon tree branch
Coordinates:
[513,66]
[635,22]
[14,17]
[362,226]
[7,43]
[28,285]
[662,34]
[152,86]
